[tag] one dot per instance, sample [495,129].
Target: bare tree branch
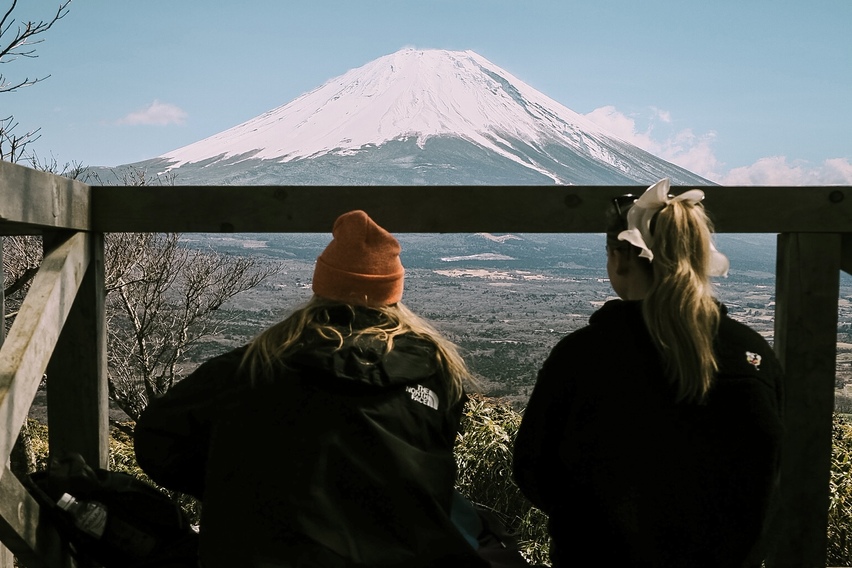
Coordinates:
[161,300]
[12,145]
[21,42]
[17,41]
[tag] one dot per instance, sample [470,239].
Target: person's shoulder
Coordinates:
[229,360]
[602,330]
[220,368]
[616,318]
[735,332]
[616,312]
[743,351]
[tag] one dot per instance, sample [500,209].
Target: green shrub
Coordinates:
[840,505]
[37,445]
[484,458]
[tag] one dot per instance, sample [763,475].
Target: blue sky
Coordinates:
[747,92]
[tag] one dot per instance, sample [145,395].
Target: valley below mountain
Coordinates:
[505,299]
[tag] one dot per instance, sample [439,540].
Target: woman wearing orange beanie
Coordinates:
[328,440]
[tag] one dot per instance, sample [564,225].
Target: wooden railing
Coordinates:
[60,329]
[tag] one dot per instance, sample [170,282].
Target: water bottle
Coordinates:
[89,516]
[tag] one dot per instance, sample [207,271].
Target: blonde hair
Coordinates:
[680,310]
[270,350]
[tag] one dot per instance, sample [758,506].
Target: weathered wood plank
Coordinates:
[846,253]
[542,209]
[77,395]
[77,372]
[807,290]
[7,559]
[35,543]
[2,296]
[25,353]
[31,198]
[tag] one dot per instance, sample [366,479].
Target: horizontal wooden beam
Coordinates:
[31,200]
[440,209]
[28,347]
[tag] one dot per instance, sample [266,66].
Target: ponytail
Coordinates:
[680,310]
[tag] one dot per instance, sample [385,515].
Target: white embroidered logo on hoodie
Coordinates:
[753,359]
[423,395]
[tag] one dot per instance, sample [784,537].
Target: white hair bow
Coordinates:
[639,218]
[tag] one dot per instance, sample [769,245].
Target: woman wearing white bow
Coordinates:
[652,437]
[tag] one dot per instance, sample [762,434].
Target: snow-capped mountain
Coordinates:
[419,117]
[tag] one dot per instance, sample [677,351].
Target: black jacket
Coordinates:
[629,477]
[344,460]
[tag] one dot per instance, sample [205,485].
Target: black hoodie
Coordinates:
[344,459]
[608,454]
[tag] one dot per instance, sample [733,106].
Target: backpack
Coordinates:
[143,527]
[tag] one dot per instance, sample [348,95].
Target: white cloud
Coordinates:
[161,114]
[663,115]
[695,153]
[684,148]
[692,152]
[621,125]
[777,170]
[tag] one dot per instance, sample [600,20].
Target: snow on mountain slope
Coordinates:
[421,96]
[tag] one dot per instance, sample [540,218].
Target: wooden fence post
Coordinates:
[807,290]
[2,293]
[77,397]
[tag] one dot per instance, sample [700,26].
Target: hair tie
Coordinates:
[642,212]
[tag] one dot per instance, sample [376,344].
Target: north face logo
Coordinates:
[423,395]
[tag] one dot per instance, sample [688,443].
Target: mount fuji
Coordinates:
[418,117]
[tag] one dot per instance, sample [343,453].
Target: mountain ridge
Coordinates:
[418,117]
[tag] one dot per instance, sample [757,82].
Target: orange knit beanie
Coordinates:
[360,265]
